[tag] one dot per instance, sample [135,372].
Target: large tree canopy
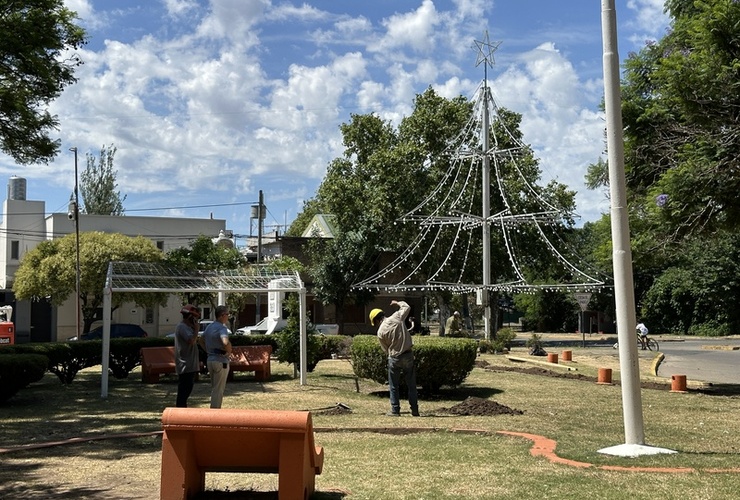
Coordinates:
[681,116]
[387,172]
[49,270]
[681,108]
[36,63]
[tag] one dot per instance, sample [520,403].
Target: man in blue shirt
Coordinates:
[218,347]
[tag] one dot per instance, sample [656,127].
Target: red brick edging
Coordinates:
[545,447]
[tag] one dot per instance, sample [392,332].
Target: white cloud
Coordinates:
[416,29]
[233,20]
[177,8]
[560,119]
[649,15]
[226,97]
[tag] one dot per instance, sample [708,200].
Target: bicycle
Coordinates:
[652,345]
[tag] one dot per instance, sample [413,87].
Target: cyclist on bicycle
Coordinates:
[643,331]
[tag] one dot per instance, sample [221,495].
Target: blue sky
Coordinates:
[209,102]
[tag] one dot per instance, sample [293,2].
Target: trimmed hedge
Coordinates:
[66,359]
[16,372]
[439,361]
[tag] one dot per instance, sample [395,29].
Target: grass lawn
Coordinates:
[371,456]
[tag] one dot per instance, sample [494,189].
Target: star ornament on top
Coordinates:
[485,51]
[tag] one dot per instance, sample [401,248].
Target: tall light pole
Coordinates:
[624,293]
[74,214]
[260,217]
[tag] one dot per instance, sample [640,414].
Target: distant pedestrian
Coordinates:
[217,345]
[396,343]
[187,362]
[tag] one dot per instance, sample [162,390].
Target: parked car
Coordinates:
[117,330]
[263,327]
[204,324]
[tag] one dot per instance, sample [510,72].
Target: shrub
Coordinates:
[19,370]
[65,359]
[504,337]
[332,344]
[439,361]
[534,343]
[485,346]
[241,340]
[710,329]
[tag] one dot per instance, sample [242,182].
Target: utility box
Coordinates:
[7,329]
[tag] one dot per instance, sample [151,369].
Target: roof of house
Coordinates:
[321,226]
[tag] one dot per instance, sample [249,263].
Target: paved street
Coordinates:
[715,360]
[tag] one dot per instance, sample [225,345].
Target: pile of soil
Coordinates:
[479,407]
[337,410]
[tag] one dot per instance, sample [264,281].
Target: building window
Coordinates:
[149,315]
[15,250]
[160,245]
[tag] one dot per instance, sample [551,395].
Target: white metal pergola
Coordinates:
[147,277]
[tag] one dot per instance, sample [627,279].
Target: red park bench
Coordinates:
[200,440]
[251,358]
[156,361]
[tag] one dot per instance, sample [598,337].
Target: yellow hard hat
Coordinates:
[373,314]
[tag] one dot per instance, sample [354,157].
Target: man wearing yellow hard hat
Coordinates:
[396,343]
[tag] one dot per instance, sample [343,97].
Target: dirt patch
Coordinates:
[544,372]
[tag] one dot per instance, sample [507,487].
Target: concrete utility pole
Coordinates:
[74,213]
[624,292]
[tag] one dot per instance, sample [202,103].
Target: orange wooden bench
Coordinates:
[251,358]
[200,440]
[156,361]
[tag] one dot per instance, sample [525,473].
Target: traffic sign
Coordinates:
[583,299]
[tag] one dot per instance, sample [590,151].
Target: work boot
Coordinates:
[414,413]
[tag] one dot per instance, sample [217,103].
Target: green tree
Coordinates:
[204,255]
[49,270]
[34,70]
[681,114]
[387,172]
[98,185]
[681,108]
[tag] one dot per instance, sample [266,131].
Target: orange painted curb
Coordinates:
[545,447]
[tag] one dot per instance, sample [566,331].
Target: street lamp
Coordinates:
[73,213]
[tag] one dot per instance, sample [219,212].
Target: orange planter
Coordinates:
[678,383]
[605,376]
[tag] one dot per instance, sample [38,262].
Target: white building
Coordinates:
[25,224]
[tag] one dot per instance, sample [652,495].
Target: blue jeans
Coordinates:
[397,364]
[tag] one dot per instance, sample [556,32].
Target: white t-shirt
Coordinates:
[642,329]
